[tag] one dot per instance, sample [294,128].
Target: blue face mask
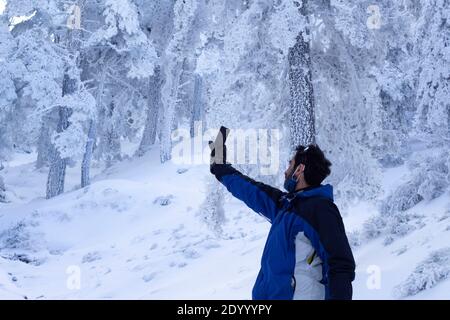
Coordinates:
[290,184]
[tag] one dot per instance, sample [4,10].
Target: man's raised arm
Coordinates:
[258,196]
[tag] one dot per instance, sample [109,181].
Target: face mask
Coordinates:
[289,184]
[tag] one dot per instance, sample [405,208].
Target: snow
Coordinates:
[131,246]
[398,260]
[125,245]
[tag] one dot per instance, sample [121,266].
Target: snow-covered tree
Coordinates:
[122,58]
[432,55]
[8,79]
[211,211]
[173,59]
[157,22]
[346,100]
[50,79]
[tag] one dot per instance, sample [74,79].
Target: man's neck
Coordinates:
[301,187]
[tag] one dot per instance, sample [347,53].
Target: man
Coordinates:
[307,255]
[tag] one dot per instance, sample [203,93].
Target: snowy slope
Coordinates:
[135,233]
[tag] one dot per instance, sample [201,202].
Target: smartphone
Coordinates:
[221,138]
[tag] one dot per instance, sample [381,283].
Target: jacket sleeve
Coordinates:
[341,264]
[258,196]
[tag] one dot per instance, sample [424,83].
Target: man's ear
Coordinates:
[300,168]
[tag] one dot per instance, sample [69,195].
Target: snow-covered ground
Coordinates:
[135,233]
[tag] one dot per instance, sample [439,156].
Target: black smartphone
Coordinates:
[221,138]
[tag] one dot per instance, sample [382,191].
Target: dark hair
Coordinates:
[317,166]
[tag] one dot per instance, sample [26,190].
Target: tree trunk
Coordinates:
[86,163]
[197,104]
[110,139]
[44,146]
[92,134]
[301,113]
[169,96]
[2,190]
[153,111]
[57,172]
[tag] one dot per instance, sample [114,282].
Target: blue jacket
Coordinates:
[307,238]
